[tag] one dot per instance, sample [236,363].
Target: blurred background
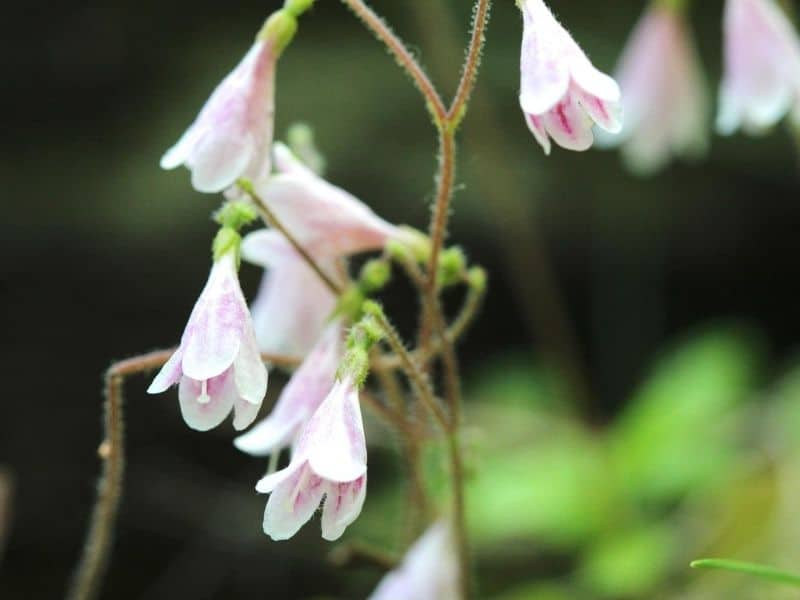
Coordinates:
[633,397]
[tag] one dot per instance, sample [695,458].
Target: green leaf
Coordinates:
[762,571]
[681,428]
[629,563]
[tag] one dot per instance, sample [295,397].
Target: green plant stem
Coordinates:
[762,571]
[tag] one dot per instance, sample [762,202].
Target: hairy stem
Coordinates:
[97,548]
[402,55]
[469,73]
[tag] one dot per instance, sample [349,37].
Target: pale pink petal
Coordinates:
[343,503]
[205,409]
[333,440]
[292,502]
[591,80]
[287,162]
[212,337]
[536,125]
[231,136]
[244,413]
[250,373]
[544,72]
[305,391]
[429,570]
[606,114]
[169,375]
[568,125]
[219,159]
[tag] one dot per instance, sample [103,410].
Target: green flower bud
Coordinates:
[477,277]
[452,263]
[375,274]
[350,303]
[278,30]
[236,214]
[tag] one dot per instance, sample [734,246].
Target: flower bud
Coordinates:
[375,274]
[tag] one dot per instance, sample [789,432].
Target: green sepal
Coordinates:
[226,240]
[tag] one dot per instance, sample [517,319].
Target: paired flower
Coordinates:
[663,92]
[328,461]
[301,397]
[429,570]
[218,365]
[761,80]
[232,135]
[561,93]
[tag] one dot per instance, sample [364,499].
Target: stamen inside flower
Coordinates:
[204,398]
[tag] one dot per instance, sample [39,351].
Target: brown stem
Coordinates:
[470,70]
[374,23]
[97,548]
[272,220]
[416,376]
[459,514]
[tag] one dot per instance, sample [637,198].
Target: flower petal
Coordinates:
[204,412]
[169,375]
[293,502]
[219,158]
[213,334]
[544,73]
[536,125]
[569,126]
[606,114]
[249,371]
[343,503]
[244,413]
[334,440]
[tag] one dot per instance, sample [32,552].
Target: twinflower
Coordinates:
[328,461]
[561,93]
[761,79]
[218,365]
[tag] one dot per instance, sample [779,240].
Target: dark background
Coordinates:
[103,254]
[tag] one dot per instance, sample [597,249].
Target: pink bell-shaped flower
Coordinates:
[218,364]
[293,304]
[232,135]
[429,570]
[761,79]
[326,219]
[329,461]
[300,398]
[663,93]
[561,93]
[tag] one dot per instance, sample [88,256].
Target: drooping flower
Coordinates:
[304,393]
[329,461]
[561,93]
[232,135]
[663,93]
[218,365]
[292,305]
[761,79]
[429,570]
[326,219]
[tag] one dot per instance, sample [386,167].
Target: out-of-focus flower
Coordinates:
[663,93]
[327,220]
[232,135]
[218,365]
[293,304]
[330,461]
[761,80]
[304,393]
[561,93]
[429,570]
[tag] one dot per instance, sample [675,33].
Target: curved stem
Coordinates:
[468,74]
[403,57]
[97,549]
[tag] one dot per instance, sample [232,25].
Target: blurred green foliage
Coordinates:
[693,464]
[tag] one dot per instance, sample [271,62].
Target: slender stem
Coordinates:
[459,514]
[416,376]
[469,73]
[97,548]
[403,57]
[272,220]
